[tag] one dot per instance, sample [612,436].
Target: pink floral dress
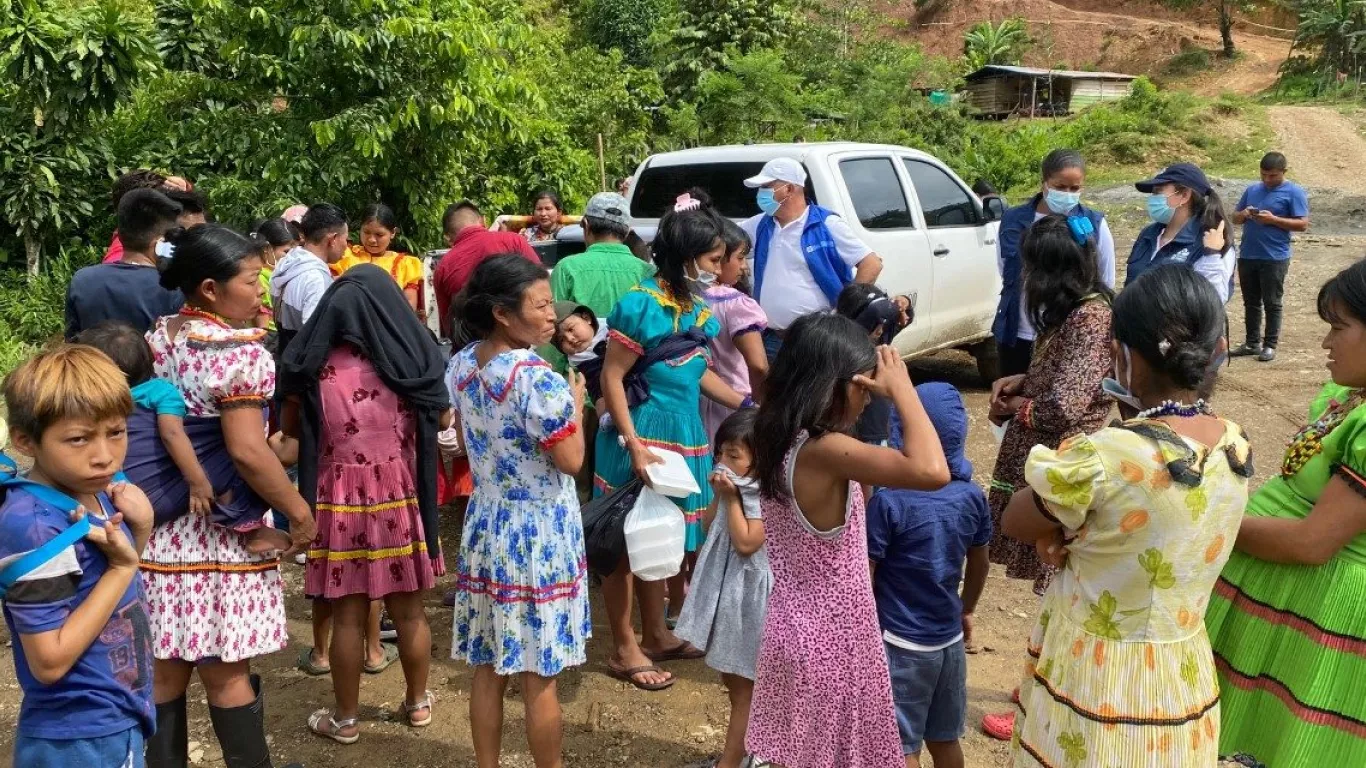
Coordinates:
[823,696]
[207,597]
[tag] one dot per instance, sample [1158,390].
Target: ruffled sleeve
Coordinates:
[241,375]
[744,315]
[548,404]
[1068,482]
[636,321]
[408,271]
[1351,465]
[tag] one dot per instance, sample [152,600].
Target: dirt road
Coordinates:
[1324,147]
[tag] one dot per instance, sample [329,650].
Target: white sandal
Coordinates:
[323,724]
[426,703]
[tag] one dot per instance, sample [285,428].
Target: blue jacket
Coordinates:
[1186,248]
[1015,222]
[822,257]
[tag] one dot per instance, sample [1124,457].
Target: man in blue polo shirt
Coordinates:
[1269,211]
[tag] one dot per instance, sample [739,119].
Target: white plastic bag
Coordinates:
[655,533]
[998,431]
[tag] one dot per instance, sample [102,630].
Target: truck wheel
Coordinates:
[988,360]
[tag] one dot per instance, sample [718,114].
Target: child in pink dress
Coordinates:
[823,696]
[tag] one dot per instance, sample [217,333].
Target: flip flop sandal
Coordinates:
[308,666]
[390,656]
[408,710]
[681,652]
[629,676]
[323,724]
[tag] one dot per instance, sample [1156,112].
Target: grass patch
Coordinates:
[1191,61]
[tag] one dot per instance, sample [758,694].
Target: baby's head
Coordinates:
[575,328]
[124,345]
[734,442]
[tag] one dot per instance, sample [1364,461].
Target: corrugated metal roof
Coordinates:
[1002,69]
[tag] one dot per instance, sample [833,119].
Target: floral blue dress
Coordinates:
[521,595]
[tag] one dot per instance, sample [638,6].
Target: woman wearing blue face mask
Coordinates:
[1189,226]
[1064,175]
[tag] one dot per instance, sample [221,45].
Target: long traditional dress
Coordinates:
[823,695]
[669,419]
[1062,398]
[521,589]
[1290,640]
[207,597]
[1119,670]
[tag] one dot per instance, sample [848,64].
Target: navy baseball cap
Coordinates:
[1187,175]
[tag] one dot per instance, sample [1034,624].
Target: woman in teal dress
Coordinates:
[1287,620]
[665,309]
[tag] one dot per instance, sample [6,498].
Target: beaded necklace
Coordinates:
[1308,442]
[204,314]
[1173,408]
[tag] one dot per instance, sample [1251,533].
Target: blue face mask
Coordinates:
[1159,210]
[767,202]
[1061,202]
[1118,391]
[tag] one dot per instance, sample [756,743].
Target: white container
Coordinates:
[673,477]
[655,532]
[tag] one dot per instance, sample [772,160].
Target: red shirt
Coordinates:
[472,246]
[115,252]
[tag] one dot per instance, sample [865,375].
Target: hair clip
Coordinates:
[685,202]
[165,250]
[1081,227]
[1164,347]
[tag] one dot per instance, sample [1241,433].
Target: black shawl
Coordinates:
[366,308]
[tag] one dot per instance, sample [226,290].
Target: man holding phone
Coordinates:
[1269,211]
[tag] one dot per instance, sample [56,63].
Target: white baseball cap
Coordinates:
[779,169]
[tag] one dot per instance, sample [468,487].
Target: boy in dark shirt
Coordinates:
[918,542]
[128,290]
[83,647]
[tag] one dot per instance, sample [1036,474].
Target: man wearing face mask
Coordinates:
[803,253]
[1063,175]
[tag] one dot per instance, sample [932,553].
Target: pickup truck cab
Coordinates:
[936,241]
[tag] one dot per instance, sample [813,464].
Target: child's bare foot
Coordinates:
[265,540]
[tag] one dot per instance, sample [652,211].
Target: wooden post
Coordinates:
[602,164]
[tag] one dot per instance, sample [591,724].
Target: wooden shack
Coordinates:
[998,91]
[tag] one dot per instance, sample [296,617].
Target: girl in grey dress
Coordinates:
[724,612]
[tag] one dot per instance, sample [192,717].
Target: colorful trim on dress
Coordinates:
[1034,753]
[1307,713]
[554,438]
[242,401]
[687,450]
[1187,467]
[1319,635]
[331,555]
[1113,719]
[751,328]
[668,302]
[688,357]
[1025,415]
[264,565]
[464,383]
[1002,486]
[520,593]
[626,341]
[1355,481]
[365,509]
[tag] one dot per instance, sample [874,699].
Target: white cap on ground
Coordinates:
[779,169]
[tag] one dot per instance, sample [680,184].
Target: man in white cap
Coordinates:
[804,253]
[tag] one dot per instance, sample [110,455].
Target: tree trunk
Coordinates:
[32,249]
[1226,27]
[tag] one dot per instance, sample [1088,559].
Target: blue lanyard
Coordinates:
[36,558]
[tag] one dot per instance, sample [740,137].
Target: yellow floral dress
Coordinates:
[1120,671]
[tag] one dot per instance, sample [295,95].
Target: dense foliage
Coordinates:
[1330,43]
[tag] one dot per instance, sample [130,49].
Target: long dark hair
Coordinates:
[1058,272]
[1171,317]
[274,232]
[1344,294]
[206,252]
[682,237]
[805,389]
[1209,209]
[498,282]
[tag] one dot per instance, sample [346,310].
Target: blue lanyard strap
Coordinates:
[36,558]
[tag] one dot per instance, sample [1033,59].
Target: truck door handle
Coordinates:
[990,241]
[941,251]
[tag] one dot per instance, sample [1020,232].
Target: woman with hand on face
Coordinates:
[1286,618]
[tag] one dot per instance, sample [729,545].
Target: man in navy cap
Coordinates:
[1189,226]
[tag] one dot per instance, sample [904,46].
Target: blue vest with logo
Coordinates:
[1186,248]
[1014,224]
[818,247]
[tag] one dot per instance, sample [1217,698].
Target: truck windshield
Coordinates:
[659,186]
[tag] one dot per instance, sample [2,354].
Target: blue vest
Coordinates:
[822,257]
[1187,247]
[1015,222]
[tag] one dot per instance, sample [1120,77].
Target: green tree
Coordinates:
[988,43]
[711,33]
[625,25]
[1334,32]
[64,71]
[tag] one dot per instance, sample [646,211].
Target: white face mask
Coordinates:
[1121,392]
[703,279]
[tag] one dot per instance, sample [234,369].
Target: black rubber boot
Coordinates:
[169,747]
[241,731]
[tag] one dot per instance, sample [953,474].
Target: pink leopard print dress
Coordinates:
[823,698]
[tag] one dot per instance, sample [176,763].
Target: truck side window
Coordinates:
[945,202]
[875,190]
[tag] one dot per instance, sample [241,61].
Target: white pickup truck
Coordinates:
[932,233]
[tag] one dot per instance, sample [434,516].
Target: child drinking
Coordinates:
[738,355]
[918,542]
[823,697]
[82,649]
[730,585]
[159,400]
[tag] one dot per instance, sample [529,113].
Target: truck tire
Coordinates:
[988,360]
